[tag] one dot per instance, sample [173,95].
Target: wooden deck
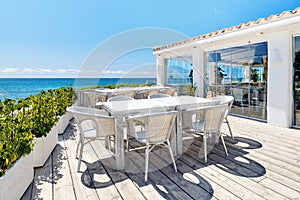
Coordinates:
[263,163]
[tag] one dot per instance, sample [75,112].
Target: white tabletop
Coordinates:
[133,106]
[128,89]
[185,100]
[167,103]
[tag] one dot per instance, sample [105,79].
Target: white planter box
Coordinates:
[17,179]
[43,147]
[63,123]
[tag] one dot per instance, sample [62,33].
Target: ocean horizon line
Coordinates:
[22,87]
[76,78]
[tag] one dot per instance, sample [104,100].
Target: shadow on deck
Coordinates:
[253,169]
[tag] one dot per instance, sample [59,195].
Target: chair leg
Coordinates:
[127,144]
[171,153]
[229,128]
[205,147]
[107,142]
[223,142]
[242,104]
[76,156]
[146,162]
[80,157]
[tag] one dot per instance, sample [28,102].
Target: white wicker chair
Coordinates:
[210,123]
[91,98]
[156,131]
[226,100]
[158,95]
[130,93]
[240,95]
[169,91]
[119,98]
[93,124]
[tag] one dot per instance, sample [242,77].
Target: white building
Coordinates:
[256,62]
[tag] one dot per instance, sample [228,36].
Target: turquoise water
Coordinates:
[13,88]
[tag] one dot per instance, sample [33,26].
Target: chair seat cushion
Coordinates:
[90,133]
[199,126]
[141,136]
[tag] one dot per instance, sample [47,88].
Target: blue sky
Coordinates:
[53,38]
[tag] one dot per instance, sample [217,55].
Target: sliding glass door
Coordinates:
[296,81]
[241,72]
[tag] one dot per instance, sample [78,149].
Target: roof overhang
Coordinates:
[256,32]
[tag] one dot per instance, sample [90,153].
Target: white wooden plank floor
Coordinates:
[263,163]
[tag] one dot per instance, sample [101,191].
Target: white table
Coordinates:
[121,109]
[182,103]
[111,92]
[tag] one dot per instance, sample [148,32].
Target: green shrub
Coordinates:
[191,89]
[23,119]
[16,138]
[47,107]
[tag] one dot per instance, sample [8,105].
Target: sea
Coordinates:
[13,88]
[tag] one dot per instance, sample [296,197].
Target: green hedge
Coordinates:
[23,119]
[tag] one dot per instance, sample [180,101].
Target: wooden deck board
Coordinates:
[158,179]
[43,181]
[184,183]
[272,171]
[263,163]
[62,181]
[81,191]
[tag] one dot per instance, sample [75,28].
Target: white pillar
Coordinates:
[160,70]
[280,79]
[199,71]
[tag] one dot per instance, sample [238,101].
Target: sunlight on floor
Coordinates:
[162,188]
[190,177]
[222,166]
[241,159]
[242,144]
[101,178]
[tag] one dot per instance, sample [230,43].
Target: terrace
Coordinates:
[263,163]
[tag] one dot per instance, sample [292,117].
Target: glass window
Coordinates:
[296,81]
[178,71]
[242,72]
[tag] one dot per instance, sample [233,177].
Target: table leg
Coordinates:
[179,132]
[119,143]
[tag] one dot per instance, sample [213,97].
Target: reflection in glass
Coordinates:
[241,72]
[296,81]
[178,71]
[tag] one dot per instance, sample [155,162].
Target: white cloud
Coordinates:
[9,70]
[29,70]
[45,71]
[73,70]
[113,72]
[61,71]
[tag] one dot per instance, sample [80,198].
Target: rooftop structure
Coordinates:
[257,62]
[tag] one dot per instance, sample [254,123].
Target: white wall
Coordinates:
[280,79]
[160,71]
[279,38]
[199,71]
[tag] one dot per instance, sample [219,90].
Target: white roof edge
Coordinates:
[245,31]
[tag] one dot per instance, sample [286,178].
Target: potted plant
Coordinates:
[16,142]
[254,75]
[220,74]
[63,100]
[43,120]
[191,88]
[46,108]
